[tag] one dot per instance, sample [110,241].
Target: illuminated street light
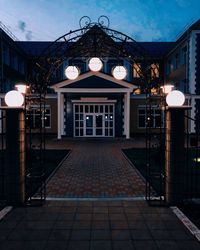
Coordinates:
[72,72]
[14,99]
[95,64]
[119,72]
[175,98]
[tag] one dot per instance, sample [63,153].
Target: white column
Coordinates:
[125,114]
[62,113]
[128,115]
[59,114]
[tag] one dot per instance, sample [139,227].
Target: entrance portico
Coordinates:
[91,105]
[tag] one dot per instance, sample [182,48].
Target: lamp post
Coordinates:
[174,147]
[15,148]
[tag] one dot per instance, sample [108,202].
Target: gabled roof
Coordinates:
[94,80]
[155,49]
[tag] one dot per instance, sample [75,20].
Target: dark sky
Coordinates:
[143,20]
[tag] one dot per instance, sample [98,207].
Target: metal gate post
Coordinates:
[15,156]
[174,154]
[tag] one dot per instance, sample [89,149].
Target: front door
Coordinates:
[89,125]
[99,128]
[92,120]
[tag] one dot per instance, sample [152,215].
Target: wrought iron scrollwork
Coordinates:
[104,21]
[84,21]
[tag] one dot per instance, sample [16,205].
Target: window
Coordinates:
[184,55]
[176,61]
[14,61]
[154,119]
[6,55]
[21,66]
[154,70]
[136,70]
[34,118]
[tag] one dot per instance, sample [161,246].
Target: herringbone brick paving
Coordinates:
[96,168]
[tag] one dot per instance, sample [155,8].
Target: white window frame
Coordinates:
[34,115]
[154,108]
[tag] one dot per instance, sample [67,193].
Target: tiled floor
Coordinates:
[99,225]
[96,168]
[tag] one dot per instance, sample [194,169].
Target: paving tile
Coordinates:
[123,245]
[137,224]
[158,234]
[119,224]
[80,235]
[141,235]
[167,244]
[100,224]
[146,244]
[117,216]
[52,245]
[121,235]
[59,235]
[82,225]
[101,245]
[79,245]
[100,235]
[22,245]
[188,244]
[29,235]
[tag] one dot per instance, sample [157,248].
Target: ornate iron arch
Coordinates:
[91,39]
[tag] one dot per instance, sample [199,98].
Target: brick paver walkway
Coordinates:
[100,225]
[96,168]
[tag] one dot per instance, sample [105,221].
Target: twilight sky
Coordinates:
[143,20]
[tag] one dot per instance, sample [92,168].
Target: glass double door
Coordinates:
[94,125]
[94,120]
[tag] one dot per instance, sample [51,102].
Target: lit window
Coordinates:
[136,70]
[154,119]
[36,118]
[154,70]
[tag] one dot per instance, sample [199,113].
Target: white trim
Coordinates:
[59,115]
[62,114]
[91,73]
[5,211]
[90,101]
[128,116]
[125,114]
[192,61]
[94,90]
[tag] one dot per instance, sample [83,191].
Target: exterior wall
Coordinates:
[54,120]
[177,74]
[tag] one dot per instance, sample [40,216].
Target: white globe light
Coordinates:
[119,72]
[14,99]
[72,72]
[95,64]
[175,98]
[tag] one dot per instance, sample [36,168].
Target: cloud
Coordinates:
[22,25]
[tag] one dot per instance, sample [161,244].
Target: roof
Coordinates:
[155,49]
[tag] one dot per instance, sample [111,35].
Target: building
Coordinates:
[96,104]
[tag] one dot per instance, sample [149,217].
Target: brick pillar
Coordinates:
[15,157]
[174,155]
